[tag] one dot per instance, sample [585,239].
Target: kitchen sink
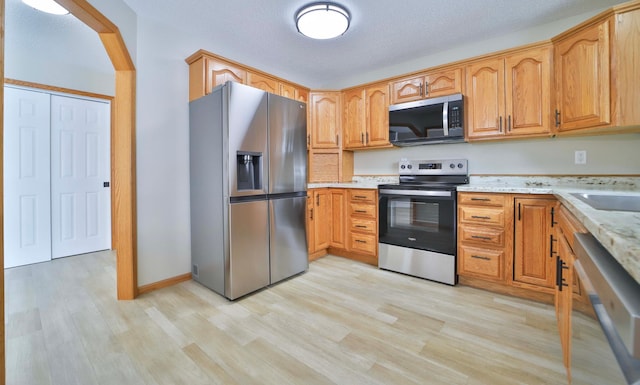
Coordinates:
[611,202]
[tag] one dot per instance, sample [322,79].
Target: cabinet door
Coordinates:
[322,228]
[301,95]
[443,83]
[406,90]
[533,263]
[485,98]
[528,92]
[311,222]
[582,72]
[354,118]
[338,219]
[219,72]
[287,90]
[377,116]
[325,120]
[563,297]
[262,82]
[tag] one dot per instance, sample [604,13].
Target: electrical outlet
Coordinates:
[580,157]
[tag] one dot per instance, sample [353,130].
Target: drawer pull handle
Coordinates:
[360,241]
[481,199]
[361,211]
[361,226]
[481,237]
[480,217]
[481,257]
[360,196]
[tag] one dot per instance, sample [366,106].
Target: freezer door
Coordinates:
[287,145]
[248,268]
[246,128]
[288,239]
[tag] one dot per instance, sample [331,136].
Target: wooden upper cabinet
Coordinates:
[207,70]
[263,82]
[292,92]
[366,117]
[325,116]
[301,95]
[443,83]
[528,92]
[485,98]
[377,115]
[626,77]
[354,118]
[429,85]
[219,72]
[510,96]
[582,73]
[287,90]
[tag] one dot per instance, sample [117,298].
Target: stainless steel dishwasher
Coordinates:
[615,297]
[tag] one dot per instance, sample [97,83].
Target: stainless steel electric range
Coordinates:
[417,219]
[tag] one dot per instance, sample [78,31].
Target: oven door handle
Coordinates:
[422,193]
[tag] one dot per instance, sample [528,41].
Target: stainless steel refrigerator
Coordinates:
[248,175]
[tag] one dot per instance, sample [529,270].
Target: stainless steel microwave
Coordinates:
[429,121]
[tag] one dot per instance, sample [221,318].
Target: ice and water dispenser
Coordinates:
[249,166]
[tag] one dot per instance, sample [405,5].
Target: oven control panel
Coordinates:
[433,167]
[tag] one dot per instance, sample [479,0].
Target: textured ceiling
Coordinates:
[383,33]
[262,34]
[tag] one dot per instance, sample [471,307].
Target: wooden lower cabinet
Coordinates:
[343,222]
[568,294]
[337,222]
[363,225]
[504,243]
[320,230]
[533,263]
[483,236]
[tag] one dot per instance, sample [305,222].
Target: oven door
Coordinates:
[418,219]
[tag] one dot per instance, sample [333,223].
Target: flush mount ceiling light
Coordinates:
[48,6]
[322,20]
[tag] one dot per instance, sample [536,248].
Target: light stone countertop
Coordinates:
[617,231]
[366,182]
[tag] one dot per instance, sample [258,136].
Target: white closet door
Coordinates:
[80,166]
[27,209]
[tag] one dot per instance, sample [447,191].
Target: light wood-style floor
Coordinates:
[342,322]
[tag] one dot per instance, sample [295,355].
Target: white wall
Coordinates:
[55,50]
[606,154]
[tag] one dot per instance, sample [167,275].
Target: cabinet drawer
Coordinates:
[484,263]
[363,225]
[362,210]
[481,199]
[481,215]
[364,243]
[360,195]
[483,235]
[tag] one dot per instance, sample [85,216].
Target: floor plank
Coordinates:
[342,322]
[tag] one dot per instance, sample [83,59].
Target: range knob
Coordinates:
[402,166]
[409,167]
[460,165]
[451,165]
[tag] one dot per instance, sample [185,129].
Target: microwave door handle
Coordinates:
[445,118]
